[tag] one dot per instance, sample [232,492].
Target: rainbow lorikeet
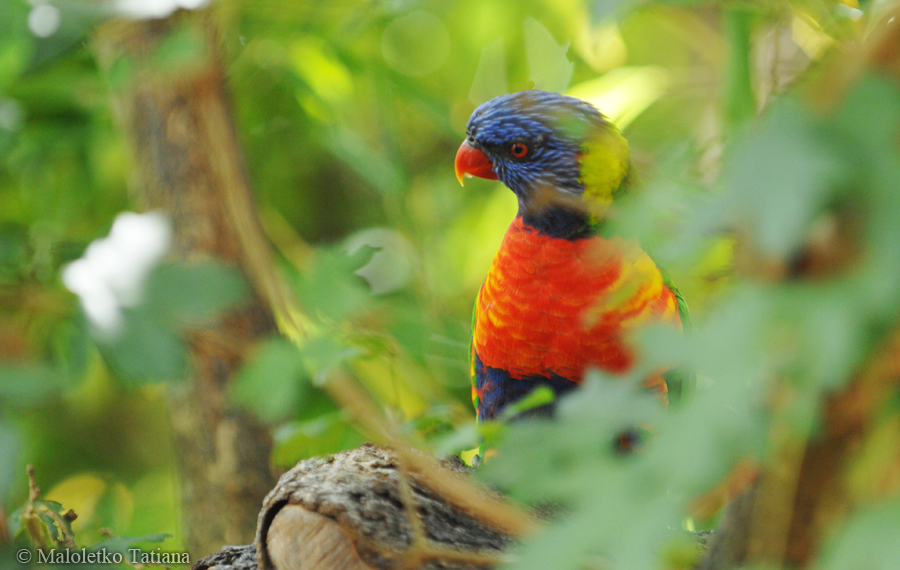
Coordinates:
[559,297]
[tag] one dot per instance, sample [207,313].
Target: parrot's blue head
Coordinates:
[560,156]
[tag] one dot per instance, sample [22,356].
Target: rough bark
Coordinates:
[361,501]
[230,558]
[175,115]
[352,511]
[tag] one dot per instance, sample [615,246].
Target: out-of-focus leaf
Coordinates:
[121,72]
[81,493]
[332,288]
[122,543]
[135,550]
[740,100]
[273,381]
[490,76]
[602,9]
[624,93]
[867,540]
[780,176]
[185,293]
[548,66]
[9,450]
[154,495]
[871,474]
[325,435]
[416,43]
[28,385]
[540,396]
[149,347]
[460,439]
[146,350]
[183,47]
[390,267]
[75,20]
[13,246]
[579,439]
[411,330]
[71,347]
[370,164]
[16,45]
[325,74]
[321,354]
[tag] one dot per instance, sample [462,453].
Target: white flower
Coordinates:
[152,9]
[112,272]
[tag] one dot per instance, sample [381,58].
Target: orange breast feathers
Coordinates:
[556,306]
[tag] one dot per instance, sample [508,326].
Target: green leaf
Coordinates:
[76,21]
[870,114]
[145,350]
[370,164]
[135,550]
[121,72]
[149,347]
[52,514]
[490,76]
[603,9]
[331,288]
[193,293]
[273,381]
[540,396]
[325,435]
[28,385]
[780,177]
[13,242]
[579,439]
[183,47]
[548,66]
[71,347]
[740,99]
[321,354]
[42,523]
[16,45]
[460,439]
[416,44]
[123,543]
[868,540]
[9,451]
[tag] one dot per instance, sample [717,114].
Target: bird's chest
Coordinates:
[553,306]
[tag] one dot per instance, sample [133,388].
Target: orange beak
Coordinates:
[472,162]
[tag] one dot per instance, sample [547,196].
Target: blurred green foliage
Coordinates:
[800,339]
[349,114]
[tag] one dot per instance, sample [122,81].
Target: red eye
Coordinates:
[518,150]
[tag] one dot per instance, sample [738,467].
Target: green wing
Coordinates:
[472,358]
[680,381]
[683,312]
[482,446]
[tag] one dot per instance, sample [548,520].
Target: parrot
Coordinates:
[560,297]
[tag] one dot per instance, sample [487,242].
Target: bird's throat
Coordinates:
[559,222]
[557,212]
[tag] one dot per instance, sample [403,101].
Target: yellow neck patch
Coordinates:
[604,165]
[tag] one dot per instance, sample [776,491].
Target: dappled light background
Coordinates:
[349,114]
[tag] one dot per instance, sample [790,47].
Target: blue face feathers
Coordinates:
[533,139]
